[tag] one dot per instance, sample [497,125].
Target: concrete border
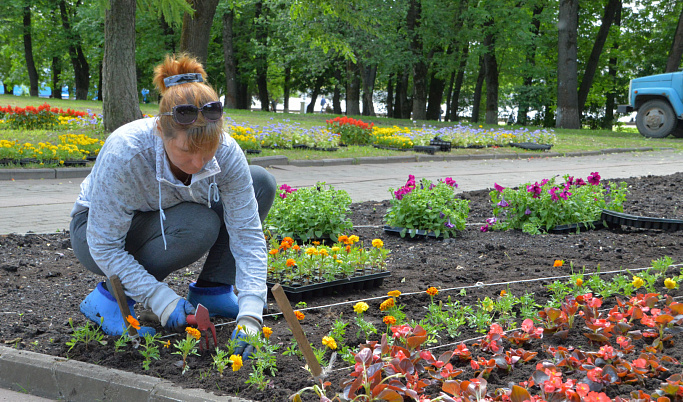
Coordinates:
[278,160]
[62,379]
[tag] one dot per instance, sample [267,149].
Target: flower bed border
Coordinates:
[642,222]
[396,230]
[298,293]
[573,227]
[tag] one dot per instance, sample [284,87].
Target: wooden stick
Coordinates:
[298,332]
[123,305]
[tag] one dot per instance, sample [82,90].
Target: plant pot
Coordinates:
[8,161]
[444,146]
[28,161]
[253,151]
[298,293]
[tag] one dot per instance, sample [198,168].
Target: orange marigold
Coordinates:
[193,332]
[299,315]
[558,263]
[133,322]
[432,291]
[316,243]
[267,332]
[389,320]
[291,262]
[386,305]
[394,293]
[273,251]
[342,239]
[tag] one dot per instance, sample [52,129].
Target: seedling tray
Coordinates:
[531,146]
[445,146]
[297,293]
[419,233]
[643,222]
[431,150]
[573,227]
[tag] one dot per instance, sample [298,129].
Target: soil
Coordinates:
[42,285]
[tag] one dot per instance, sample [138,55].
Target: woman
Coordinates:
[162,193]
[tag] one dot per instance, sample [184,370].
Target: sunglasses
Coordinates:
[187,114]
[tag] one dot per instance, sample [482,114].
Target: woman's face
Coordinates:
[181,157]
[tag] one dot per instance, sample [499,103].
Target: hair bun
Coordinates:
[187,68]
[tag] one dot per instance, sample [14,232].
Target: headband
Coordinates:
[182,79]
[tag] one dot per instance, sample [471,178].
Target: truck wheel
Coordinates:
[656,119]
[678,131]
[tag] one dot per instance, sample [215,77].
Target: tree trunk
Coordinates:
[390,95]
[99,84]
[287,88]
[336,94]
[610,101]
[230,101]
[449,94]
[353,89]
[674,60]
[316,91]
[169,43]
[436,88]
[476,101]
[118,66]
[261,58]
[491,70]
[196,33]
[567,75]
[402,94]
[368,74]
[419,66]
[594,58]
[56,72]
[459,78]
[28,53]
[523,106]
[78,60]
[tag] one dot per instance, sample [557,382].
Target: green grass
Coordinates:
[567,140]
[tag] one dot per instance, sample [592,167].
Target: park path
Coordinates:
[43,206]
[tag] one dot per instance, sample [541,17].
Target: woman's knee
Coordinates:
[265,188]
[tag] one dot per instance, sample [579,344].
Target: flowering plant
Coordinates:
[310,212]
[34,118]
[427,206]
[536,207]
[352,131]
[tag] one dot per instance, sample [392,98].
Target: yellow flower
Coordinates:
[670,283]
[316,243]
[133,322]
[432,291]
[311,251]
[637,282]
[353,239]
[299,315]
[378,243]
[579,282]
[193,332]
[329,342]
[323,252]
[386,305]
[167,344]
[487,304]
[389,320]
[236,362]
[360,307]
[394,293]
[335,249]
[558,263]
[267,332]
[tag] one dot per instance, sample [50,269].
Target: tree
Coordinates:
[78,59]
[567,70]
[28,52]
[676,51]
[196,32]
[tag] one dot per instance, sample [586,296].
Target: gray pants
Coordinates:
[191,230]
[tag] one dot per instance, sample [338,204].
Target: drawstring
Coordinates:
[162,217]
[216,197]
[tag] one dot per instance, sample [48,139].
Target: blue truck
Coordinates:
[657,101]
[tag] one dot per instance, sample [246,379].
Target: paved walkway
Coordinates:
[43,206]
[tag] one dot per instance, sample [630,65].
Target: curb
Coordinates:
[268,161]
[62,379]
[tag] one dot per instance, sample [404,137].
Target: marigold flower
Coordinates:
[386,305]
[133,322]
[236,361]
[296,247]
[360,307]
[299,315]
[288,240]
[579,282]
[291,262]
[167,344]
[311,251]
[353,239]
[378,243]
[267,332]
[637,282]
[432,291]
[503,293]
[273,251]
[389,320]
[335,249]
[558,263]
[316,243]
[329,342]
[193,332]
[323,252]
[394,293]
[348,248]
[670,283]
[343,239]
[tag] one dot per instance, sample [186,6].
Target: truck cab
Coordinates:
[657,101]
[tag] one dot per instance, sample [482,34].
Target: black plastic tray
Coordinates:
[419,233]
[642,222]
[445,146]
[573,227]
[298,293]
[426,149]
[531,146]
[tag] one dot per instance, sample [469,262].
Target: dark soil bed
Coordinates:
[42,284]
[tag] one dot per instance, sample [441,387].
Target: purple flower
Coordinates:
[527,212]
[570,181]
[565,194]
[484,228]
[286,190]
[492,221]
[498,187]
[451,182]
[543,182]
[503,203]
[553,194]
[431,186]
[448,224]
[535,190]
[579,182]
[594,178]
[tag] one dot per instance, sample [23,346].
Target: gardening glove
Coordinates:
[175,314]
[245,325]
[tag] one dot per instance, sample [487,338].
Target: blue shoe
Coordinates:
[100,303]
[221,301]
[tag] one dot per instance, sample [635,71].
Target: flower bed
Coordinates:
[72,147]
